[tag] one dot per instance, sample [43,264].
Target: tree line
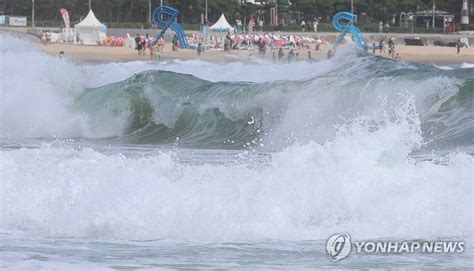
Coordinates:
[123,11]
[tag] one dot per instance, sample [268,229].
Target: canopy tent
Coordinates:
[222,25]
[91,30]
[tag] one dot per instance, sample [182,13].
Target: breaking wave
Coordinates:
[337,139]
[308,102]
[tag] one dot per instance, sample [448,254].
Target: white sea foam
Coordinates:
[361,181]
[38,89]
[446,68]
[358,177]
[463,66]
[34,101]
[37,98]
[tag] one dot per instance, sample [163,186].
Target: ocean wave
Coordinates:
[338,138]
[360,181]
[241,107]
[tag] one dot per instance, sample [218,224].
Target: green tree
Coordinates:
[190,10]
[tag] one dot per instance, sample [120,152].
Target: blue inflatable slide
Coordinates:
[170,14]
[344,23]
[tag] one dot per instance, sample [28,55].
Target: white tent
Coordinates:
[222,25]
[91,30]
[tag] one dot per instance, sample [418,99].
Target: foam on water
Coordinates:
[318,98]
[361,180]
[462,66]
[38,90]
[307,193]
[467,65]
[34,102]
[349,170]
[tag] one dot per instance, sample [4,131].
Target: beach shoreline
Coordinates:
[83,53]
[424,55]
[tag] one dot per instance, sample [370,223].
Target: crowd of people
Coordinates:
[294,51]
[274,42]
[277,44]
[391,49]
[307,27]
[144,44]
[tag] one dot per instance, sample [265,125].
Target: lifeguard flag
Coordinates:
[65,15]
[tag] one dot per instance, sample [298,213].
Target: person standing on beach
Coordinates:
[391,46]
[150,46]
[261,47]
[291,55]
[48,36]
[145,44]
[154,51]
[251,25]
[200,48]
[175,42]
[303,26]
[138,44]
[382,46]
[239,29]
[160,46]
[228,43]
[458,46]
[280,54]
[315,25]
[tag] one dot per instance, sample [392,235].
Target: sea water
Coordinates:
[191,164]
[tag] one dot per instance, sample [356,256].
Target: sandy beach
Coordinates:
[418,54]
